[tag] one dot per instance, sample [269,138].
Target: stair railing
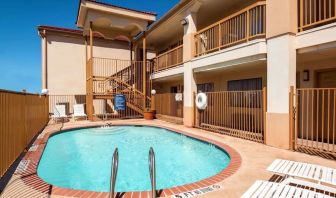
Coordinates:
[152,171]
[114,171]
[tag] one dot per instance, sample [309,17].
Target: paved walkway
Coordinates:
[255,159]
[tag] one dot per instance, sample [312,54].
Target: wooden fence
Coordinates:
[166,104]
[22,116]
[169,59]
[242,26]
[313,13]
[313,124]
[236,113]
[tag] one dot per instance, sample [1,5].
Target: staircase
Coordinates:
[127,81]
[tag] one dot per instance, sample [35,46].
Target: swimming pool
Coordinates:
[81,159]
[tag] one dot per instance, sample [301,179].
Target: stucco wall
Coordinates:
[313,67]
[66,61]
[219,78]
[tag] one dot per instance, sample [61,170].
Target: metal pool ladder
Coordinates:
[114,171]
[152,170]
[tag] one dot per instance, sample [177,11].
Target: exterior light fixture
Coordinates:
[153,92]
[306,75]
[184,22]
[44,91]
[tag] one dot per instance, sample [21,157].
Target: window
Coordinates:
[245,84]
[205,87]
[245,94]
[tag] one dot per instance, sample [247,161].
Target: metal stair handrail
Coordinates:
[114,171]
[152,170]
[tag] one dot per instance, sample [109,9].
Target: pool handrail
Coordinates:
[152,170]
[114,171]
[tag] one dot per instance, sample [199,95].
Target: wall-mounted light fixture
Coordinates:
[184,22]
[306,75]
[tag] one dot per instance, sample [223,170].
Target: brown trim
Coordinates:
[18,92]
[35,182]
[67,32]
[113,6]
[279,35]
[165,17]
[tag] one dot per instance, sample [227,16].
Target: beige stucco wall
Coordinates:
[164,87]
[219,77]
[281,17]
[66,61]
[313,67]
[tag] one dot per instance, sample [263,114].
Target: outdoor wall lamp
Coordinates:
[306,75]
[153,92]
[44,91]
[184,22]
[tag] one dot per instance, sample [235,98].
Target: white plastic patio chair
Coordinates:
[59,112]
[318,174]
[269,189]
[79,111]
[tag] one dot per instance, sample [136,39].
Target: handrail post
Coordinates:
[247,25]
[291,117]
[114,171]
[152,170]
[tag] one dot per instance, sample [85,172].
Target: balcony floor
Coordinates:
[255,159]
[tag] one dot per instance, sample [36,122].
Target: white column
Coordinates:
[281,74]
[189,80]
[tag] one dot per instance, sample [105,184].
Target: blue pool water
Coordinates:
[81,159]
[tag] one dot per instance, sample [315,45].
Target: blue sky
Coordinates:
[20,45]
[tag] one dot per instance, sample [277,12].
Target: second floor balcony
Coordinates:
[315,13]
[242,26]
[169,59]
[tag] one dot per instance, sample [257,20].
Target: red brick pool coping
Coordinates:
[30,177]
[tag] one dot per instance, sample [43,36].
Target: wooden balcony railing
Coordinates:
[314,13]
[169,59]
[242,26]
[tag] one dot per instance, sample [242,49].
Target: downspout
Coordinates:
[44,60]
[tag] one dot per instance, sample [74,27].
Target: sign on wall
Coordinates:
[120,102]
[178,97]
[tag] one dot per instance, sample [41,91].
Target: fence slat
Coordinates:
[22,116]
[236,113]
[315,119]
[166,104]
[313,13]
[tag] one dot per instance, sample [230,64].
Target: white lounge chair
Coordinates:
[267,189]
[316,173]
[59,112]
[79,111]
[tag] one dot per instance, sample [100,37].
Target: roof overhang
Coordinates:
[112,21]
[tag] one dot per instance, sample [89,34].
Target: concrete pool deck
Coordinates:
[255,158]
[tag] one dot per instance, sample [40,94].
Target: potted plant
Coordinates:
[148,114]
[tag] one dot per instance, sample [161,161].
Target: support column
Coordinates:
[89,84]
[281,70]
[131,51]
[189,79]
[86,49]
[144,80]
[44,61]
